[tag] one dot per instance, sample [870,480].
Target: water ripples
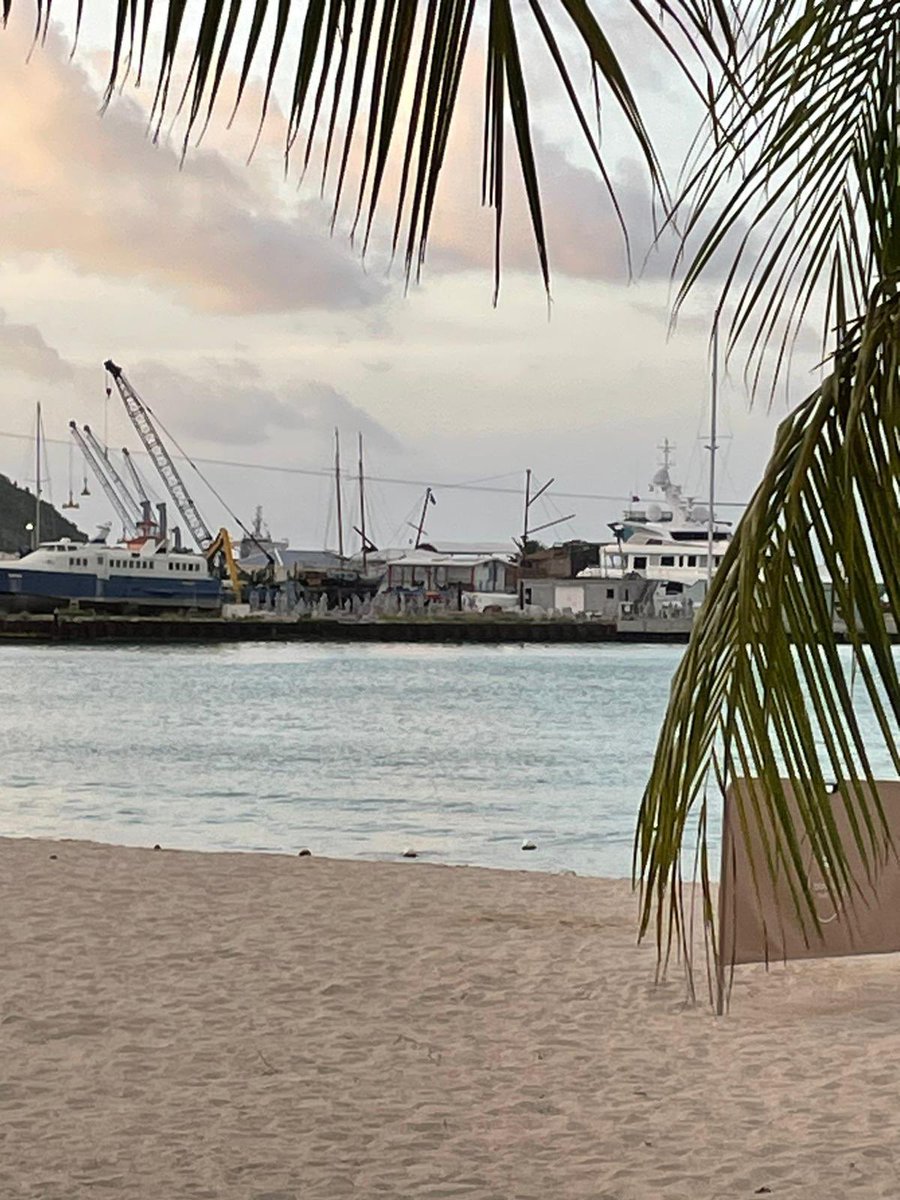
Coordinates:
[359,751]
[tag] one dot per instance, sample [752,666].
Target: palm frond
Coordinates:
[802,166]
[762,691]
[801,136]
[356,62]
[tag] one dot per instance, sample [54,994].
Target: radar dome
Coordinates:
[654,512]
[700,513]
[661,478]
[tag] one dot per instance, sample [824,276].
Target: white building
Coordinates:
[436,573]
[608,599]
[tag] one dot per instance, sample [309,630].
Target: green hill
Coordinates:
[17,510]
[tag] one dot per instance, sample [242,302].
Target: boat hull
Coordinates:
[42,591]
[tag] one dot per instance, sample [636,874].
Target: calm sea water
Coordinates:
[353,751]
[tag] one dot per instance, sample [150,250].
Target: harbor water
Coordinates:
[460,752]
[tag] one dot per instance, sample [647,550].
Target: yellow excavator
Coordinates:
[221,545]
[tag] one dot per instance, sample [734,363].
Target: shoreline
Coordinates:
[236,1024]
[421,857]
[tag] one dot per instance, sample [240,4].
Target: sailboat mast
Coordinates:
[421,527]
[37,478]
[527,507]
[362,505]
[337,488]
[712,447]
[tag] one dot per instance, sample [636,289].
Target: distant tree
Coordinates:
[17,513]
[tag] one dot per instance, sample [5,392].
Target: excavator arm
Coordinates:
[221,545]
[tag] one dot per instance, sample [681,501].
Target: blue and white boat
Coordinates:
[143,574]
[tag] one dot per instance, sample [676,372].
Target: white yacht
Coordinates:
[666,539]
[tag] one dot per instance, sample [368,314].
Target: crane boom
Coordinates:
[128,524]
[143,423]
[115,478]
[139,486]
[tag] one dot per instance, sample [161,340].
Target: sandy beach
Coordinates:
[269,1027]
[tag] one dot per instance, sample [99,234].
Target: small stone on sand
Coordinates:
[157,846]
[304,853]
[528,844]
[410,853]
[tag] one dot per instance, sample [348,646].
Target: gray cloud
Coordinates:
[224,401]
[97,194]
[584,236]
[231,404]
[23,350]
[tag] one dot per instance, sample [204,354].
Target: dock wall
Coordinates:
[83,628]
[97,629]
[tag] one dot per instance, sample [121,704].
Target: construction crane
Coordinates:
[218,549]
[95,463]
[162,460]
[116,479]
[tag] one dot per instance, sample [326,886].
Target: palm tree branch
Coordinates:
[762,681]
[366,50]
[803,132]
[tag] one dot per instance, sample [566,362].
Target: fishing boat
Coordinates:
[145,574]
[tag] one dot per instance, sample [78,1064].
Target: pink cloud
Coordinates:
[96,194]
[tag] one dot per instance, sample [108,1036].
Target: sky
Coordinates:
[252,331]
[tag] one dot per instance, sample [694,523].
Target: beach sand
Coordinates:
[271,1027]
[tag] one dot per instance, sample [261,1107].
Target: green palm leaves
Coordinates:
[799,169]
[802,166]
[762,692]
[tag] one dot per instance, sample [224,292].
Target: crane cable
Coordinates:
[321,472]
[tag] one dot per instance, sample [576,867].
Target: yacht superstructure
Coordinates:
[667,539]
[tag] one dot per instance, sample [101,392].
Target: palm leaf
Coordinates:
[762,681]
[807,116]
[356,55]
[801,164]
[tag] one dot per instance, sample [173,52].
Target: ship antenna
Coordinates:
[37,478]
[712,448]
[337,489]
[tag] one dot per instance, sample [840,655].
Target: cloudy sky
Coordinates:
[252,332]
